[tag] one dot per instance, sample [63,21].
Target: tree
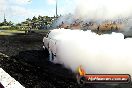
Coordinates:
[2,24]
[34,19]
[19,24]
[40,17]
[10,23]
[28,19]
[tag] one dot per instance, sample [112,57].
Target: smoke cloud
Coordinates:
[101,54]
[103,9]
[100,10]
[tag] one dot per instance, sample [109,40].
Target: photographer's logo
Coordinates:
[101,78]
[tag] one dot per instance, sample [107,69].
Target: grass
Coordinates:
[3,33]
[15,31]
[41,31]
[11,32]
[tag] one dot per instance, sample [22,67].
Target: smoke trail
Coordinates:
[105,54]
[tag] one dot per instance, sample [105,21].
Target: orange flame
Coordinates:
[81,71]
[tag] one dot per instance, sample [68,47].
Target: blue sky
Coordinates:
[18,10]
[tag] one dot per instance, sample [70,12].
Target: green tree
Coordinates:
[10,23]
[34,19]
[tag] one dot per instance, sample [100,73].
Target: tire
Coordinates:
[46,51]
[53,57]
